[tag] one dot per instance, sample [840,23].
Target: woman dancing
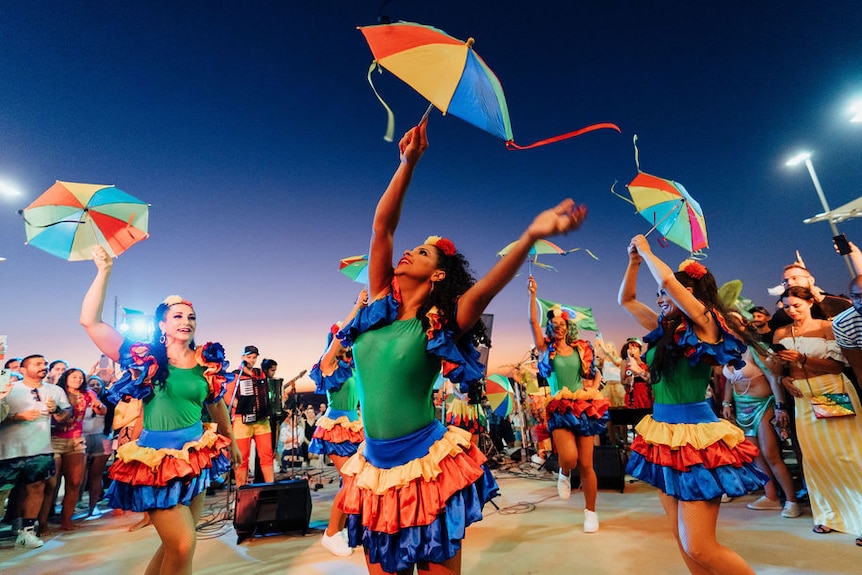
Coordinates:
[832,446]
[415,486]
[176,379]
[339,430]
[577,411]
[691,455]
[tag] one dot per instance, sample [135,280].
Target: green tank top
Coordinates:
[686,384]
[396,376]
[346,398]
[179,403]
[567,372]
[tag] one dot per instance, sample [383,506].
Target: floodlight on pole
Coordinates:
[805,157]
[856,112]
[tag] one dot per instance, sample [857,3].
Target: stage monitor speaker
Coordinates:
[272,508]
[609,463]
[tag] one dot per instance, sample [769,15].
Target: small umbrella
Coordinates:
[671,210]
[498,390]
[450,75]
[542,247]
[355,267]
[69,219]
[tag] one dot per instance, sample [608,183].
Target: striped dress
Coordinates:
[831,448]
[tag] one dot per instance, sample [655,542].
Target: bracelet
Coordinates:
[726,404]
[780,406]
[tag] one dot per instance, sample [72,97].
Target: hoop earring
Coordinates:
[162,339]
[432,287]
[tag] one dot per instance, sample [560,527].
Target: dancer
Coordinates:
[414,486]
[683,448]
[339,430]
[177,379]
[577,411]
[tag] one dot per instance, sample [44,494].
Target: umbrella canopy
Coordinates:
[671,210]
[498,390]
[355,267]
[449,74]
[542,247]
[69,219]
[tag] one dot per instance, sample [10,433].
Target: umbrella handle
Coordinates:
[666,216]
[427,112]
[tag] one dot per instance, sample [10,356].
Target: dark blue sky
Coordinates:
[253,133]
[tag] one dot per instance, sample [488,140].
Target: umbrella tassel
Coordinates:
[390,115]
[511,145]
[619,196]
[637,159]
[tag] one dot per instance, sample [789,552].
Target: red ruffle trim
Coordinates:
[339,434]
[136,472]
[419,501]
[595,408]
[681,459]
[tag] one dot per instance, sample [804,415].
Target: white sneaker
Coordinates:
[763,503]
[725,498]
[591,521]
[791,510]
[564,485]
[28,539]
[337,544]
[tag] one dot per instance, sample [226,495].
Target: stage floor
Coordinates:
[533,532]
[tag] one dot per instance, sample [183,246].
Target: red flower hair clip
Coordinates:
[445,245]
[692,269]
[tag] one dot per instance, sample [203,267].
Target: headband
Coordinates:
[175,300]
[445,245]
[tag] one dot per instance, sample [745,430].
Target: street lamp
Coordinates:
[805,157]
[856,112]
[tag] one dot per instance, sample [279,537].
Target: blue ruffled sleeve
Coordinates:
[376,314]
[461,363]
[138,367]
[727,350]
[332,382]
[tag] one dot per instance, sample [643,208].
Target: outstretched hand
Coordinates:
[413,144]
[531,285]
[565,217]
[103,261]
[639,246]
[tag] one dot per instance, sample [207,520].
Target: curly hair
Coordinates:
[572,331]
[459,278]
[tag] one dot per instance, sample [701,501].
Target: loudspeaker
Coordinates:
[609,463]
[272,508]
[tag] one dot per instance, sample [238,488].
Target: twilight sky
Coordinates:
[253,134]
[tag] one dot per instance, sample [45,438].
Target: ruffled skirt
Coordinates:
[467,416]
[337,433]
[410,499]
[162,469]
[690,454]
[583,412]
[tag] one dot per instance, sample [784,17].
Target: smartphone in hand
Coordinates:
[842,246]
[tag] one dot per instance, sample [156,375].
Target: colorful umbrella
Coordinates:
[450,75]
[498,390]
[542,247]
[355,267]
[671,210]
[69,219]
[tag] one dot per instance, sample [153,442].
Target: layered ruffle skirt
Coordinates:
[162,469]
[583,412]
[410,499]
[467,416]
[337,433]
[690,454]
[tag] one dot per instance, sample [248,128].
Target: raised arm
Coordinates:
[106,338]
[704,326]
[627,298]
[329,361]
[535,325]
[388,212]
[563,218]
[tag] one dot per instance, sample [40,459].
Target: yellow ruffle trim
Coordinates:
[379,481]
[581,394]
[152,458]
[328,423]
[697,435]
[459,407]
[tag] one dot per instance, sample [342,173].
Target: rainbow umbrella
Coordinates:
[69,219]
[542,247]
[498,390]
[450,75]
[355,267]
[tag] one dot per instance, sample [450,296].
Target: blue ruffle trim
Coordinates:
[129,385]
[376,314]
[698,483]
[178,491]
[437,542]
[583,425]
[333,382]
[344,449]
[728,350]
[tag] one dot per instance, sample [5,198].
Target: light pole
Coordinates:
[806,158]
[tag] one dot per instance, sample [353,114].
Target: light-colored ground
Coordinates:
[533,532]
